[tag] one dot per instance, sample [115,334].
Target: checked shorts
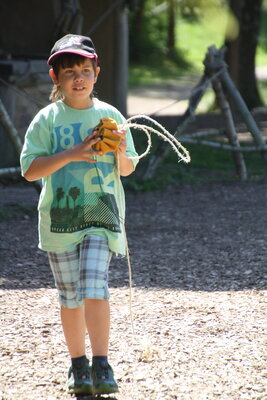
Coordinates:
[82,273]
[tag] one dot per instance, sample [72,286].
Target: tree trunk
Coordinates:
[136,33]
[108,27]
[241,52]
[171,28]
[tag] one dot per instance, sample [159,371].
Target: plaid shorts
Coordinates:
[82,273]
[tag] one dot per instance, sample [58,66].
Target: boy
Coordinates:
[81,206]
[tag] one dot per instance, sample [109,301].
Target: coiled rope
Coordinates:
[163,133]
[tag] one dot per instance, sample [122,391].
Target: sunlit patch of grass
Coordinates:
[156,72]
[193,39]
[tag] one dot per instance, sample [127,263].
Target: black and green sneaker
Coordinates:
[79,380]
[103,379]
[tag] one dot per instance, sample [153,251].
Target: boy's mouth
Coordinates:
[78,88]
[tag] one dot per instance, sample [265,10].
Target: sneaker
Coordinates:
[79,380]
[103,379]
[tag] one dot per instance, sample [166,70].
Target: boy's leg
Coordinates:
[65,268]
[97,315]
[74,328]
[95,259]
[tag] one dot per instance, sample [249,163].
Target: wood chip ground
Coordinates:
[199,265]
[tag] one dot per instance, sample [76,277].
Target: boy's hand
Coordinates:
[46,165]
[84,151]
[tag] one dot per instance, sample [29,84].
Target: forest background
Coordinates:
[169,40]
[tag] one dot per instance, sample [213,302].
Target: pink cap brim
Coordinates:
[80,53]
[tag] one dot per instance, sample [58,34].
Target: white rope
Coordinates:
[179,149]
[126,247]
[176,146]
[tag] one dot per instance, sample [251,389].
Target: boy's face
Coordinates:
[76,83]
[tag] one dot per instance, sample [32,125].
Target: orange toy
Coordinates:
[110,141]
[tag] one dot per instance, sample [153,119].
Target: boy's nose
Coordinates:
[78,76]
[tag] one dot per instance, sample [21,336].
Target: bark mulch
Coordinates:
[199,264]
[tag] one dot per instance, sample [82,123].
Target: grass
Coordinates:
[151,72]
[261,59]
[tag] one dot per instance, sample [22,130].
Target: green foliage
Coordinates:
[262,40]
[148,26]
[195,10]
[147,33]
[193,37]
[200,24]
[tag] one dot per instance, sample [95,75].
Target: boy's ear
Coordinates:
[53,76]
[97,73]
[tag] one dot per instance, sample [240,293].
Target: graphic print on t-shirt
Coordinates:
[83,193]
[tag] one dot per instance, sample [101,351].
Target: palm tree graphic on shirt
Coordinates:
[89,205]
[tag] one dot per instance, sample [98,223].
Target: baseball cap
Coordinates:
[75,44]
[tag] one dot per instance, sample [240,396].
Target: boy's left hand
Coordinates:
[123,144]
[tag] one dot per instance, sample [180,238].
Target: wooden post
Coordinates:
[13,136]
[214,62]
[10,129]
[230,130]
[7,155]
[226,112]
[162,150]
[121,57]
[215,70]
[244,111]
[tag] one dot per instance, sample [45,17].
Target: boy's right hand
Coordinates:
[46,165]
[84,151]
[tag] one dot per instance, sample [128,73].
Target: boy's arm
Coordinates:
[47,165]
[125,164]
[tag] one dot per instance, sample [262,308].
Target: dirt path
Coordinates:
[171,98]
[199,263]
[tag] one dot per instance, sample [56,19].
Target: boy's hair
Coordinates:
[66,60]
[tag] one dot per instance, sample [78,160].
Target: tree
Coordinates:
[171,28]
[60,194]
[152,30]
[136,28]
[74,193]
[241,51]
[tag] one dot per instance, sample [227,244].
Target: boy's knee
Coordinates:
[94,301]
[70,302]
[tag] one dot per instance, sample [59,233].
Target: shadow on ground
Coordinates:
[201,237]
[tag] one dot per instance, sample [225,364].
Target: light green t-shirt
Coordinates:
[81,198]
